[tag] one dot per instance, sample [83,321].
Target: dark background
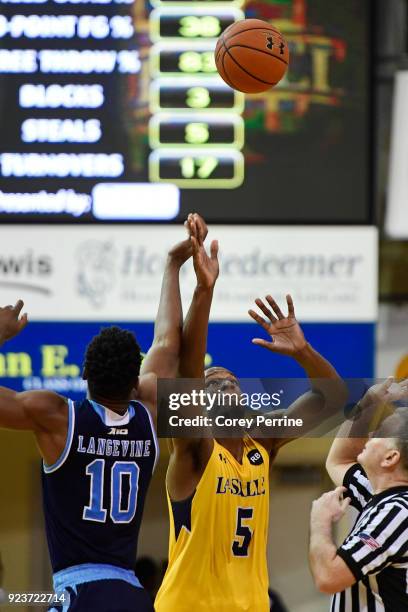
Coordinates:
[317,171]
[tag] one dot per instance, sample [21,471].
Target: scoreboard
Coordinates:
[113,111]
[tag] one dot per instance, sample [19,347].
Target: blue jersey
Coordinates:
[94,494]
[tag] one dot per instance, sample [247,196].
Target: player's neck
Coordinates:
[382,482]
[234,445]
[119,406]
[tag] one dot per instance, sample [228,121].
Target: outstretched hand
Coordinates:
[206,267]
[386,392]
[286,335]
[11,324]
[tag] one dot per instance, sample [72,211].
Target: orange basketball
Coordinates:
[251,55]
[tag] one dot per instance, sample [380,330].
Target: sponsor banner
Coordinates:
[50,355]
[105,273]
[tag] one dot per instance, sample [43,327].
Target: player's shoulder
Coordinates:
[147,386]
[47,411]
[46,401]
[146,393]
[259,445]
[358,486]
[356,474]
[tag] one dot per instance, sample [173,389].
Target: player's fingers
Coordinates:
[202,225]
[274,307]
[403,384]
[340,490]
[194,244]
[214,248]
[291,308]
[199,229]
[23,321]
[345,503]
[262,342]
[404,389]
[265,310]
[189,219]
[187,227]
[387,383]
[193,227]
[18,307]
[256,317]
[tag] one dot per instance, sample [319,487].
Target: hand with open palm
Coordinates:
[388,391]
[286,335]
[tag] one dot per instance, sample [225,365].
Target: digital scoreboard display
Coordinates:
[113,111]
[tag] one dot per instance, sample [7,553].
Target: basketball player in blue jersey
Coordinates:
[218,488]
[99,454]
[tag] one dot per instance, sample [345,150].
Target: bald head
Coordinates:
[394,433]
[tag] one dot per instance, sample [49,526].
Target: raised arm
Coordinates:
[353,434]
[328,392]
[329,571]
[162,359]
[189,456]
[43,412]
[195,328]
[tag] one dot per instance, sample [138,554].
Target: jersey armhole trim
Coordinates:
[154,435]
[48,469]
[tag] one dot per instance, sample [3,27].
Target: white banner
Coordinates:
[113,273]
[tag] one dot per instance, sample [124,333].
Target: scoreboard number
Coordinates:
[193,94]
[195,169]
[198,129]
[193,61]
[186,58]
[198,97]
[197,22]
[192,26]
[201,167]
[197,133]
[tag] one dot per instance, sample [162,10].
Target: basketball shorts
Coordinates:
[105,596]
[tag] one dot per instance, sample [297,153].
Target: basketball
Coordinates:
[251,56]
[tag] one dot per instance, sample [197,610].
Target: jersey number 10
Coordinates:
[121,510]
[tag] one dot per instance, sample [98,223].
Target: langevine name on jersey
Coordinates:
[113,447]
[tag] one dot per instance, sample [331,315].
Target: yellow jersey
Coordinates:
[218,538]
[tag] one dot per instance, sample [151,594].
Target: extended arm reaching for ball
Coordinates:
[328,393]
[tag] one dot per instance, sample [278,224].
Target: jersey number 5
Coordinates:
[121,510]
[243,532]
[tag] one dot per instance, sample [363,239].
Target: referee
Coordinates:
[369,571]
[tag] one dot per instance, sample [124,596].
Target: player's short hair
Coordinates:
[214,369]
[112,363]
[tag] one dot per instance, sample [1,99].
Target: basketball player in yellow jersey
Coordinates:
[218,489]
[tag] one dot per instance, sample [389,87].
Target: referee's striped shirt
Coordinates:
[376,550]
